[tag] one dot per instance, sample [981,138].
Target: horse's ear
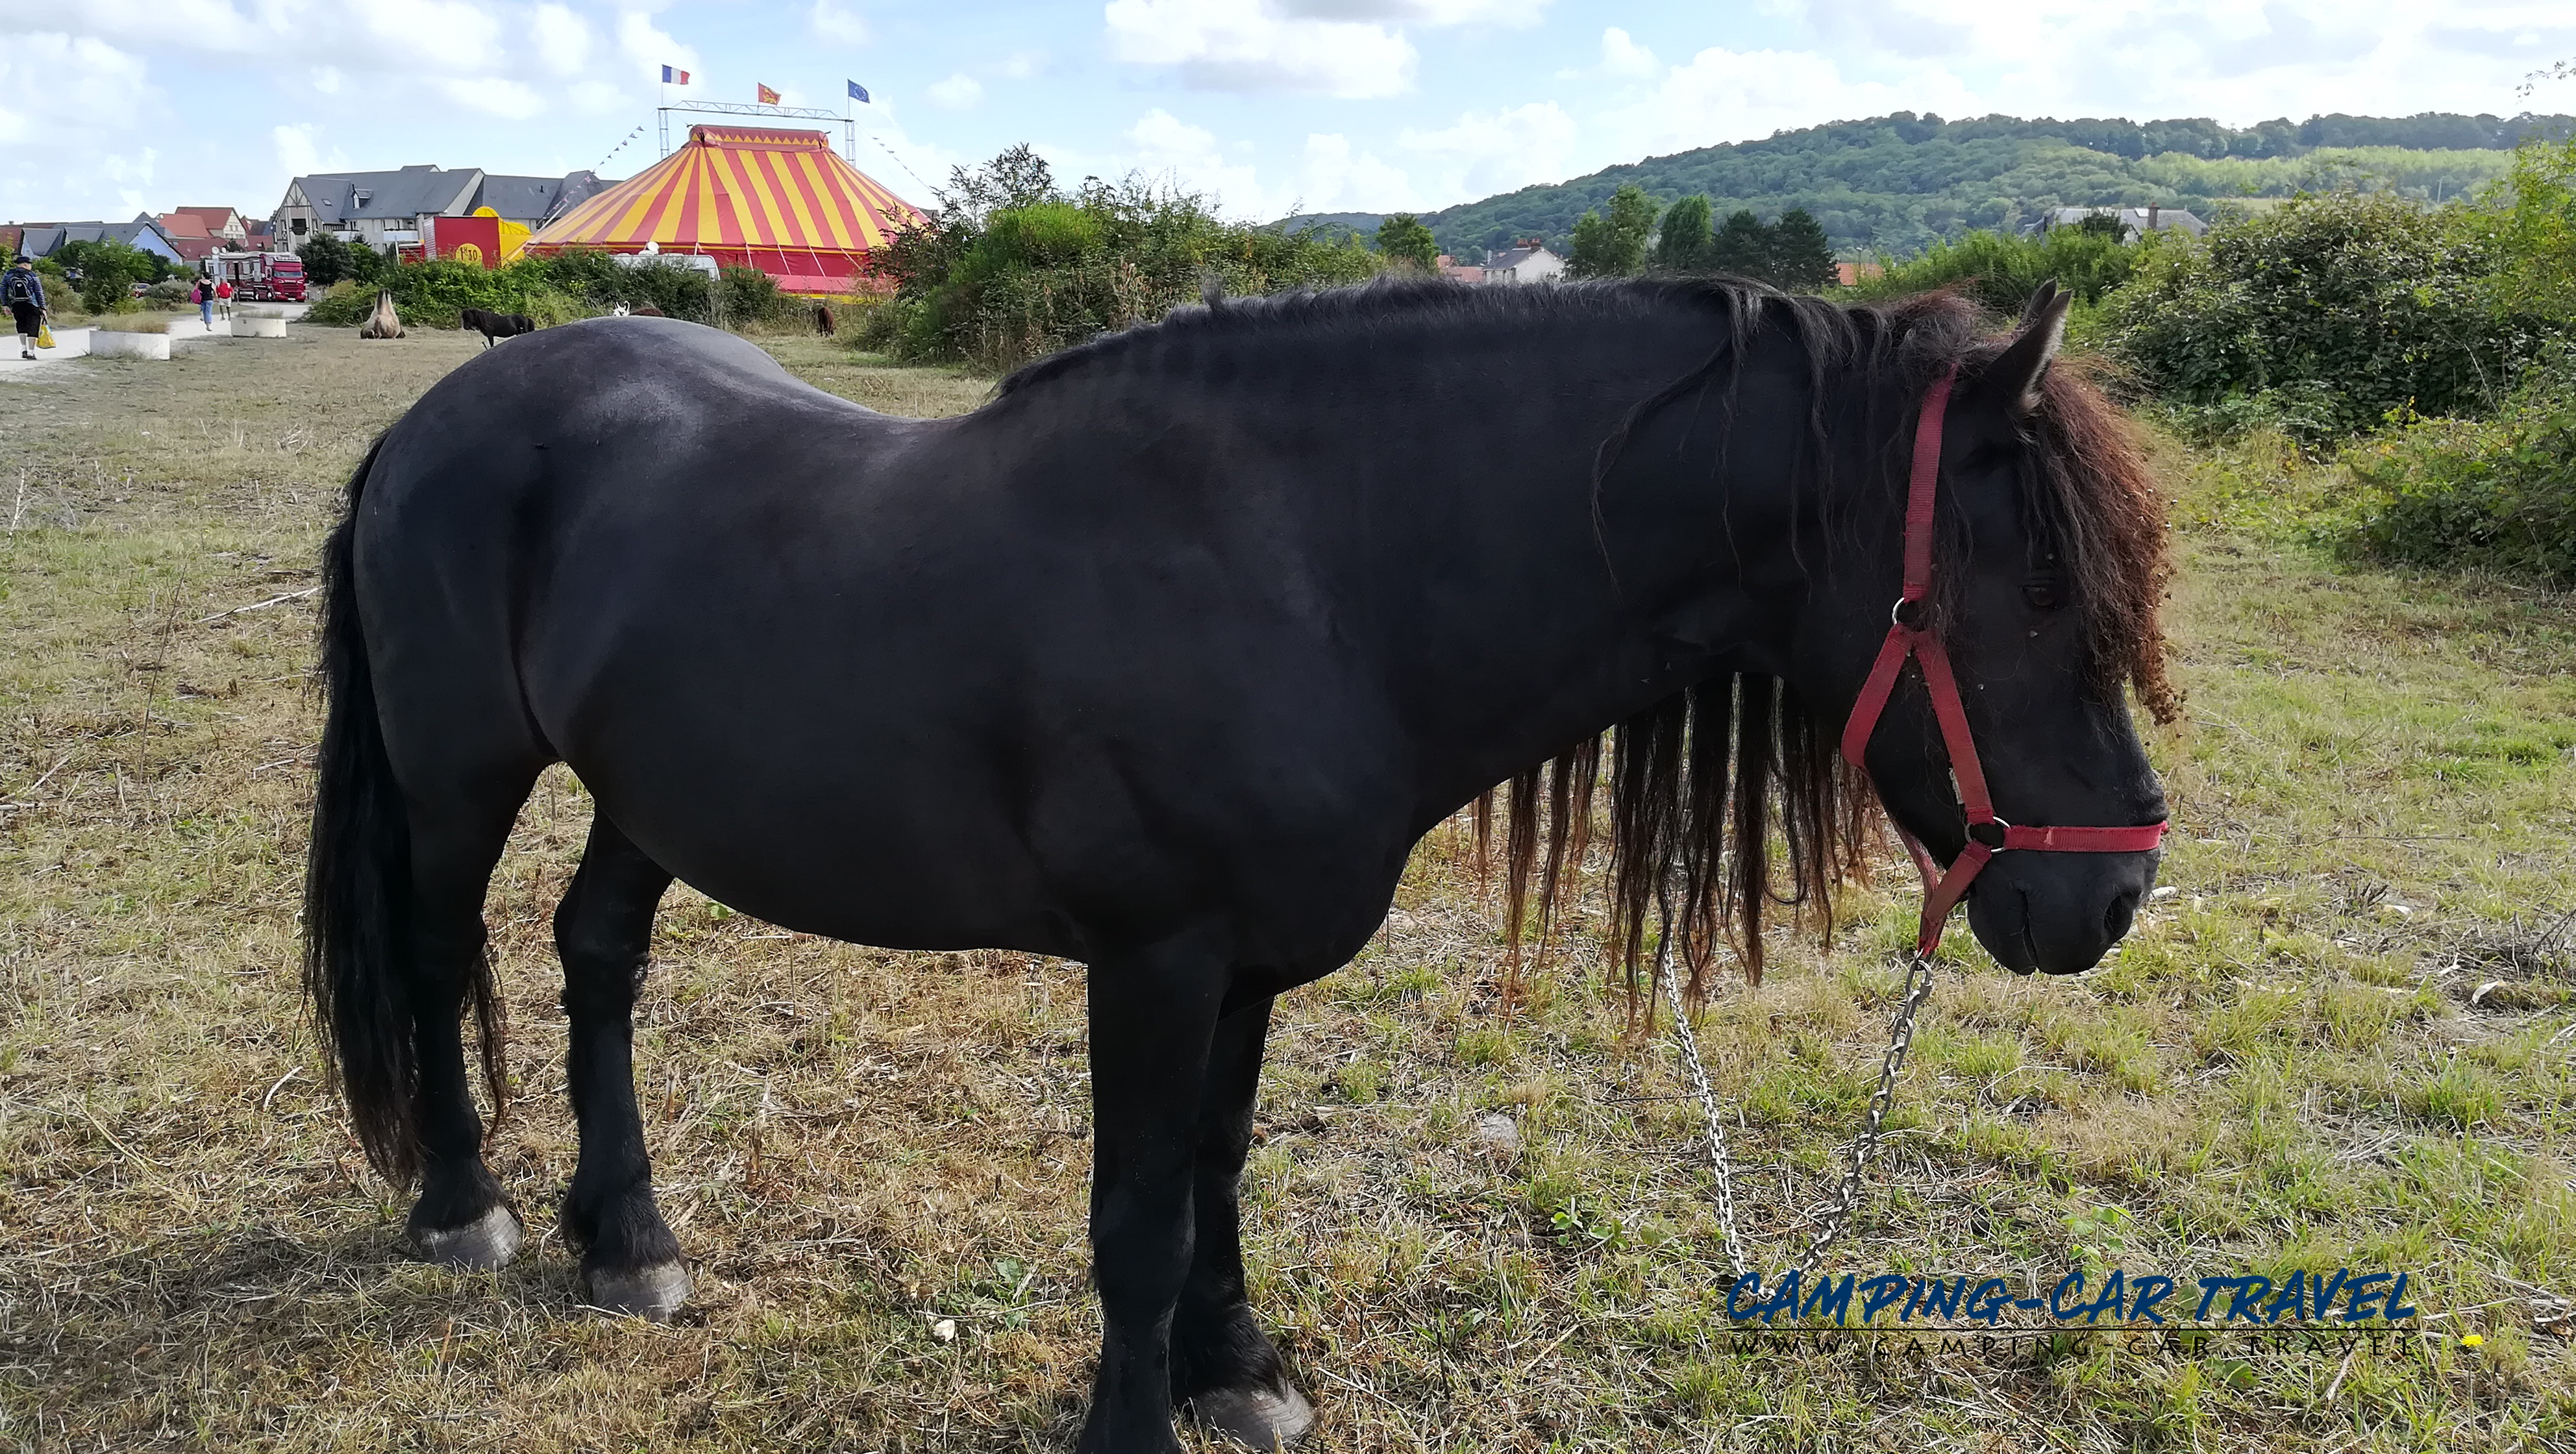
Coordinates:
[2018,370]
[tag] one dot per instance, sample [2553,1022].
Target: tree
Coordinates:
[2103,224]
[1801,259]
[1407,243]
[1614,246]
[1016,178]
[1742,246]
[109,270]
[2536,230]
[1685,243]
[326,260]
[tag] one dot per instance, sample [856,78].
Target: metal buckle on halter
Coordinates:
[1996,840]
[1907,613]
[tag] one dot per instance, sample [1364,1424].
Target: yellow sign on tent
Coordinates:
[513,236]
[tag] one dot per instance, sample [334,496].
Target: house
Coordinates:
[1531,262]
[1850,275]
[195,232]
[44,239]
[1450,267]
[384,208]
[2134,221]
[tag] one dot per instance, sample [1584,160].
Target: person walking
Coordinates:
[24,294]
[224,295]
[203,295]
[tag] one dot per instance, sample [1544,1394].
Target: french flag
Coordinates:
[673,76]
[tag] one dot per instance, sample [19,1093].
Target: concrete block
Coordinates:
[104,344]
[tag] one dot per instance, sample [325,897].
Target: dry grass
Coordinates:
[2283,1069]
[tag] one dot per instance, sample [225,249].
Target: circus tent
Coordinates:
[779,201]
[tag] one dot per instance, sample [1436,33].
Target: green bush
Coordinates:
[2536,231]
[343,305]
[109,271]
[747,298]
[556,289]
[2498,494]
[1015,268]
[2358,304]
[2000,271]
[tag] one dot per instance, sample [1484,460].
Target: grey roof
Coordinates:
[536,198]
[406,193]
[142,233]
[447,192]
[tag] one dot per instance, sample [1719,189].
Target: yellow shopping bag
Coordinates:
[44,336]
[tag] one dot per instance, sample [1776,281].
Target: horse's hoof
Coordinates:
[1257,1418]
[481,1245]
[652,1293]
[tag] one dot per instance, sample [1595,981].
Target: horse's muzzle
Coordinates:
[2058,913]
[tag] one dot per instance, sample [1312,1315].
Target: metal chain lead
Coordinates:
[1830,1223]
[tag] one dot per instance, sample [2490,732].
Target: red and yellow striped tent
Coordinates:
[779,201]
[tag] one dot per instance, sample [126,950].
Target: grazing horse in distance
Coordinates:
[496,325]
[1163,660]
[823,319]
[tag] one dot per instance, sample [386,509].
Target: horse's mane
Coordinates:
[1740,757]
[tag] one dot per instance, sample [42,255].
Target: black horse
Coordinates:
[496,325]
[1162,661]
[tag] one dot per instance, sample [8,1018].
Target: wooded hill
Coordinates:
[1895,183]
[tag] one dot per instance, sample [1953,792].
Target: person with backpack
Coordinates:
[24,293]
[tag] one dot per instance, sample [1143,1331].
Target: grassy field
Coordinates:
[2347,1039]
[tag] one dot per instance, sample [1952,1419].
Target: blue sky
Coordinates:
[108,107]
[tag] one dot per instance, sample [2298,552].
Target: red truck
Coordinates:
[261,277]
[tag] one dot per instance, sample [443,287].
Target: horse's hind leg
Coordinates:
[603,929]
[1224,1368]
[462,1218]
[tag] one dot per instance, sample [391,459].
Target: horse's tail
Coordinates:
[357,886]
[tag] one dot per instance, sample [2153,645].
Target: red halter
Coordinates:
[1910,633]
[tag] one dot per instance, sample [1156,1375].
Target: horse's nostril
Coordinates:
[2116,919]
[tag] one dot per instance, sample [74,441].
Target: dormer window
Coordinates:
[363,197]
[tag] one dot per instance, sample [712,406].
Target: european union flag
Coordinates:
[858,93]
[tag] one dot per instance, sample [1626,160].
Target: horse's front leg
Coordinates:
[1152,1015]
[1224,1367]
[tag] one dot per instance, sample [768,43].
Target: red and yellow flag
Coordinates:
[768,97]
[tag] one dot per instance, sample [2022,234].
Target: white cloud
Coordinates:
[1622,56]
[1020,65]
[68,104]
[650,47]
[1484,153]
[957,93]
[2235,61]
[1722,95]
[837,24]
[1189,155]
[56,87]
[1514,13]
[300,153]
[1252,45]
[561,39]
[1334,176]
[493,96]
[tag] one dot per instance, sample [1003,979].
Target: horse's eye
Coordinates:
[2042,595]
